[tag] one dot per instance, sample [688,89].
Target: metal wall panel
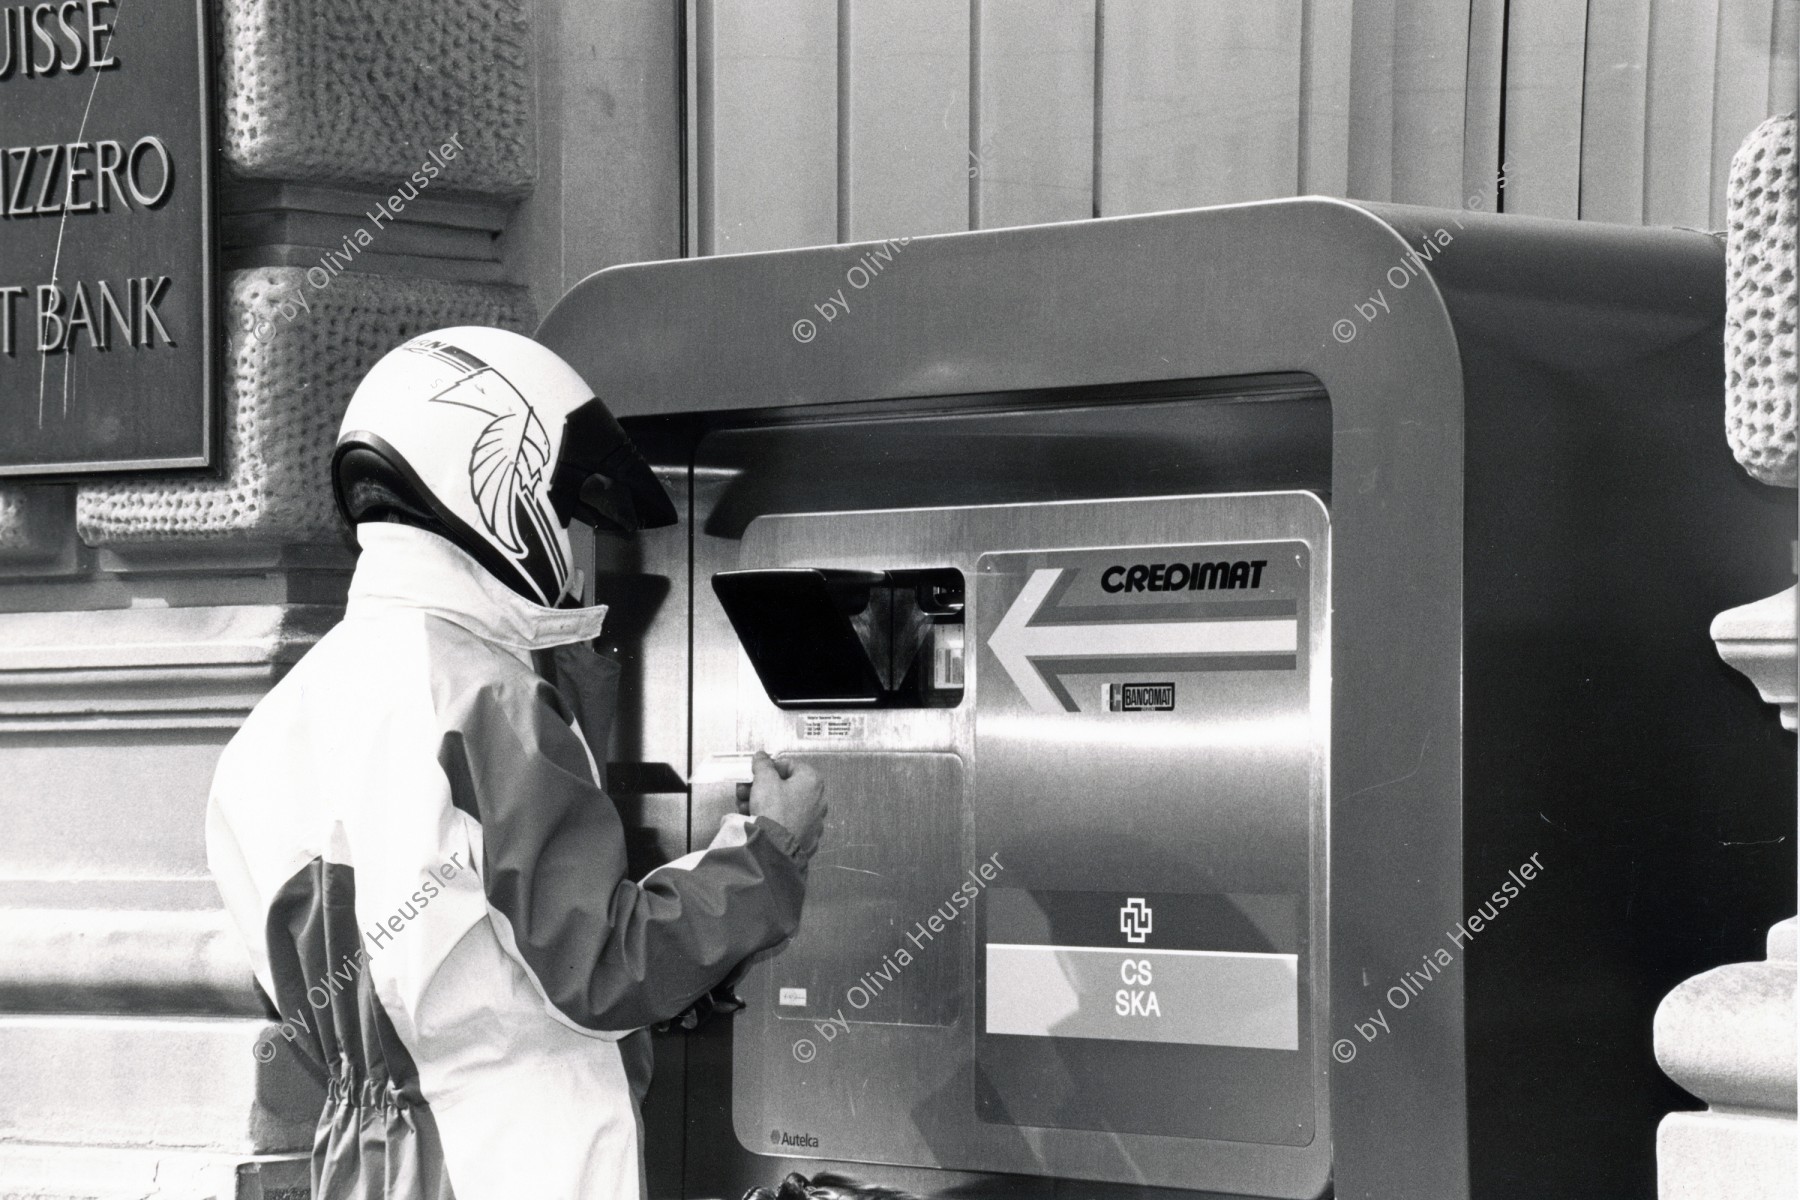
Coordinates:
[1370,49]
[906,153]
[1680,80]
[608,75]
[1325,97]
[1613,111]
[1031,152]
[1409,64]
[1430,79]
[1545,62]
[837,120]
[1481,105]
[1200,103]
[768,124]
[1784,43]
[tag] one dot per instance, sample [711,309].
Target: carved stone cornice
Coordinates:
[187,668]
[1758,640]
[131,962]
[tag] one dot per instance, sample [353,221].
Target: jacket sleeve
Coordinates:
[610,954]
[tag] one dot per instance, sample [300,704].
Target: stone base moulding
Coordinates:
[295,353]
[1725,1156]
[1728,1036]
[91,1172]
[124,960]
[195,1083]
[148,668]
[128,1020]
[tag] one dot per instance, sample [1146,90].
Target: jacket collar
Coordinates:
[405,567]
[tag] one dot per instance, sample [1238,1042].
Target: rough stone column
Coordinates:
[141,618]
[1728,1035]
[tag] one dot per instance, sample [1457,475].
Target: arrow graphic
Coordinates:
[1016,642]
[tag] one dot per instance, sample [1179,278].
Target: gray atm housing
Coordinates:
[1503,516]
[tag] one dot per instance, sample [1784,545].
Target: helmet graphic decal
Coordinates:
[509,463]
[510,455]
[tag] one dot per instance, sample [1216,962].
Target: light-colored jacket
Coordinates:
[411,834]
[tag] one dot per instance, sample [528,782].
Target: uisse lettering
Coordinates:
[1184,577]
[50,39]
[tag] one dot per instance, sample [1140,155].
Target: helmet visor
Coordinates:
[601,480]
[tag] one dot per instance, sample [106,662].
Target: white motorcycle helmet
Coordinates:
[494,442]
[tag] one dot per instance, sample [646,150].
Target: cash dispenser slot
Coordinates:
[831,638]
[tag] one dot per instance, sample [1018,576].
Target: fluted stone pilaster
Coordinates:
[1727,1035]
[1760,372]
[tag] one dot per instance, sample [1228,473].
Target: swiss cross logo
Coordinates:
[1134,920]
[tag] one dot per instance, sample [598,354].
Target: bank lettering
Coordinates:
[80,179]
[108,311]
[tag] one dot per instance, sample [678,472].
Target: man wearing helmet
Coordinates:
[410,831]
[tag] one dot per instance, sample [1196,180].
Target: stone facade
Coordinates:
[1728,1037]
[339,91]
[145,616]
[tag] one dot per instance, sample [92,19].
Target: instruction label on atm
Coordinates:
[1148,621]
[830,726]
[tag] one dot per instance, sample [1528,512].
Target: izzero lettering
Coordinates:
[61,178]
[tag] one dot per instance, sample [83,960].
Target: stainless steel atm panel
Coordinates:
[1533,519]
[1074,924]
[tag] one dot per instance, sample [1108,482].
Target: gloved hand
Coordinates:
[790,794]
[721,1001]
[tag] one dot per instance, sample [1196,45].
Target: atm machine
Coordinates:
[1201,620]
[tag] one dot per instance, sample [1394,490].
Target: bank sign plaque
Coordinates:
[107,328]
